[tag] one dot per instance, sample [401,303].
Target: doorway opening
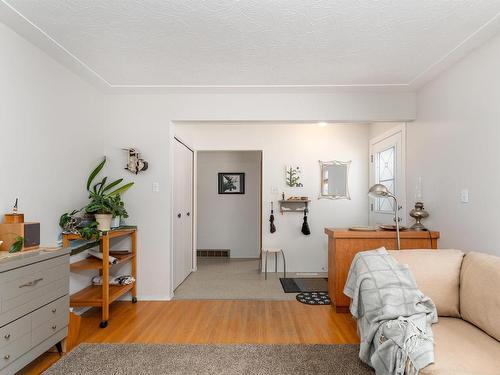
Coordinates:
[228,228]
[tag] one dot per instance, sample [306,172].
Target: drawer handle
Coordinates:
[54,327]
[7,336]
[31,283]
[7,356]
[54,311]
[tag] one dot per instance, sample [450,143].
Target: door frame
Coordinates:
[195,193]
[398,128]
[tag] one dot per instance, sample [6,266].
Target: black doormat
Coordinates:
[314,298]
[306,284]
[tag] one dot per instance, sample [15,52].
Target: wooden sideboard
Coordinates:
[343,245]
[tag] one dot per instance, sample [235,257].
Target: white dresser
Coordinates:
[34,306]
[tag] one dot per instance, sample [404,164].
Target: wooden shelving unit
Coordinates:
[103,295]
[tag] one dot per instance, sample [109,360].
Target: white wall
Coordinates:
[226,221]
[145,122]
[48,125]
[305,145]
[454,144]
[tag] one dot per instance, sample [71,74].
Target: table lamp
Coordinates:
[381,191]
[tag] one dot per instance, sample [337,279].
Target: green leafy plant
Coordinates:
[67,221]
[89,231]
[118,207]
[69,224]
[105,199]
[17,245]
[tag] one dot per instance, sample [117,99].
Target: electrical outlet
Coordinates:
[464,196]
[156,187]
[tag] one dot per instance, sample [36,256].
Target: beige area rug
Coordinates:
[138,359]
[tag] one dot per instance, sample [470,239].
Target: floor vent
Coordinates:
[221,253]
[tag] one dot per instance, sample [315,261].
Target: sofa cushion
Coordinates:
[437,274]
[480,292]
[462,349]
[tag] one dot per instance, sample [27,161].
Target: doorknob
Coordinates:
[188,214]
[179,216]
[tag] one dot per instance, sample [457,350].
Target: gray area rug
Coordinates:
[104,359]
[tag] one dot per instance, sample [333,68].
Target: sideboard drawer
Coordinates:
[50,311]
[15,330]
[26,288]
[49,327]
[14,350]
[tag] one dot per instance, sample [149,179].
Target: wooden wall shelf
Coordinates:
[289,205]
[103,295]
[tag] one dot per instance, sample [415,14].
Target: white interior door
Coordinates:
[387,167]
[183,213]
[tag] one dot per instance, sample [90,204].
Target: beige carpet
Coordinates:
[223,278]
[139,359]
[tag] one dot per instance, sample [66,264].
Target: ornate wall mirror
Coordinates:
[334,179]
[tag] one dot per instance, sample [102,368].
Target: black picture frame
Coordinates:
[238,183]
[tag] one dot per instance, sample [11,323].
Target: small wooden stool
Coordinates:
[265,252]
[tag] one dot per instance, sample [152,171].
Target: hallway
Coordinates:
[225,278]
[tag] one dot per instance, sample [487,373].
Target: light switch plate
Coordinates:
[464,196]
[156,187]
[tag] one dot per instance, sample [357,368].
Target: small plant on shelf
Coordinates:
[17,245]
[105,201]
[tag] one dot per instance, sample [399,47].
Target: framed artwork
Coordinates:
[231,183]
[293,176]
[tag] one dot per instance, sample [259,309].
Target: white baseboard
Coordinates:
[154,297]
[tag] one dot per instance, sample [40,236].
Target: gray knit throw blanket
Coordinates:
[394,317]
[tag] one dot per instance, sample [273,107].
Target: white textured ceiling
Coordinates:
[258,42]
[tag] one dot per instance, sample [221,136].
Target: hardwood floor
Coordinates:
[222,322]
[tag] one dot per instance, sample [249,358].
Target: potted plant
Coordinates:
[105,201]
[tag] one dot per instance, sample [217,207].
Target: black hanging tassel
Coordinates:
[305,225]
[272,227]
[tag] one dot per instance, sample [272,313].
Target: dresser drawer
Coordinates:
[26,288]
[14,350]
[27,279]
[50,311]
[15,330]
[49,327]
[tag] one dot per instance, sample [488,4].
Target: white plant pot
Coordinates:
[103,221]
[115,222]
